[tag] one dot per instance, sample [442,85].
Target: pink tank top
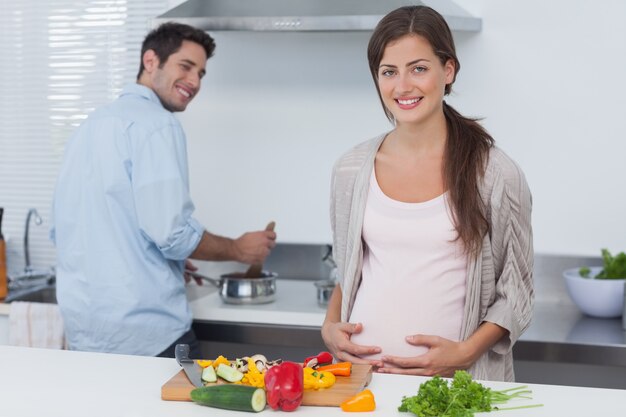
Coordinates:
[413,278]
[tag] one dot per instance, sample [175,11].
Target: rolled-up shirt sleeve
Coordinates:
[161,192]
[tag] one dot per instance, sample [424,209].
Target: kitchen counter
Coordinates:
[295,305]
[41,382]
[559,331]
[562,346]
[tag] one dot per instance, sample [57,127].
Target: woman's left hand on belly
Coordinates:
[444,356]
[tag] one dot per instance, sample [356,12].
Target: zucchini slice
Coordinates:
[208,374]
[228,373]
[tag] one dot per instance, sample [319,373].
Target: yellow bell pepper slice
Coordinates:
[253,377]
[220,359]
[316,379]
[204,363]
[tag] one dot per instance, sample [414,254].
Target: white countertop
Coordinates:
[295,304]
[41,382]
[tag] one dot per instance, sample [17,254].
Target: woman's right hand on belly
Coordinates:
[337,339]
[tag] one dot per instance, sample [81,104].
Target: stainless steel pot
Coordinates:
[324,290]
[235,289]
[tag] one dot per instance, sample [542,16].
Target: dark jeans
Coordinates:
[188,338]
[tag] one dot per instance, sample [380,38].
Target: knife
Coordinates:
[192,369]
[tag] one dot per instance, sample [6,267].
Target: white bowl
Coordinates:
[596,297]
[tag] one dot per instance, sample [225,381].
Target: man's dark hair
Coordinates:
[168,38]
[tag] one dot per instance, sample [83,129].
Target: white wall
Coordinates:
[276,111]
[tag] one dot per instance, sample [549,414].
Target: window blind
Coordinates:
[59,61]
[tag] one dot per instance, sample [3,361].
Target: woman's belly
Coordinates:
[389,314]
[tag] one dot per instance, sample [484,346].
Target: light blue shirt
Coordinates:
[122,225]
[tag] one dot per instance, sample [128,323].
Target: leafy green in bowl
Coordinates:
[614,267]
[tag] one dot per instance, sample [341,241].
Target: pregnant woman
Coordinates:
[431,223]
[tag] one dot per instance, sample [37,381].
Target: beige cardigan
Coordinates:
[499,282]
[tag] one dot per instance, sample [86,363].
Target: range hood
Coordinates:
[304,15]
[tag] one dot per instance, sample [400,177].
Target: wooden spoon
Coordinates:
[255,270]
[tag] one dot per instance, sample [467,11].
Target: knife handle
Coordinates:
[181,351]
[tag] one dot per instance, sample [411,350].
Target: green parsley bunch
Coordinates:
[461,398]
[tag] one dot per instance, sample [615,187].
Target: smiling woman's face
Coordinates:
[412,80]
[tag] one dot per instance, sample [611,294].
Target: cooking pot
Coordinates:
[235,289]
[324,290]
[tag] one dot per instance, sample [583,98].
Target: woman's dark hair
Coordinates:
[168,38]
[468,143]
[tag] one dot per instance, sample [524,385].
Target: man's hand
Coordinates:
[193,268]
[249,248]
[253,247]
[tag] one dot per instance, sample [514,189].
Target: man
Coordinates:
[122,214]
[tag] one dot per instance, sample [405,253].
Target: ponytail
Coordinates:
[466,156]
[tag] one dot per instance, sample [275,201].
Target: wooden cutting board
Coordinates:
[179,387]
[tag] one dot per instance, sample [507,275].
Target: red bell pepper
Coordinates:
[284,386]
[322,358]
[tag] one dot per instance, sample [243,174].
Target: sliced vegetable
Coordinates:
[275,362]
[260,361]
[363,401]
[220,359]
[240,364]
[337,369]
[209,375]
[253,377]
[321,358]
[231,397]
[284,386]
[204,363]
[228,373]
[315,379]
